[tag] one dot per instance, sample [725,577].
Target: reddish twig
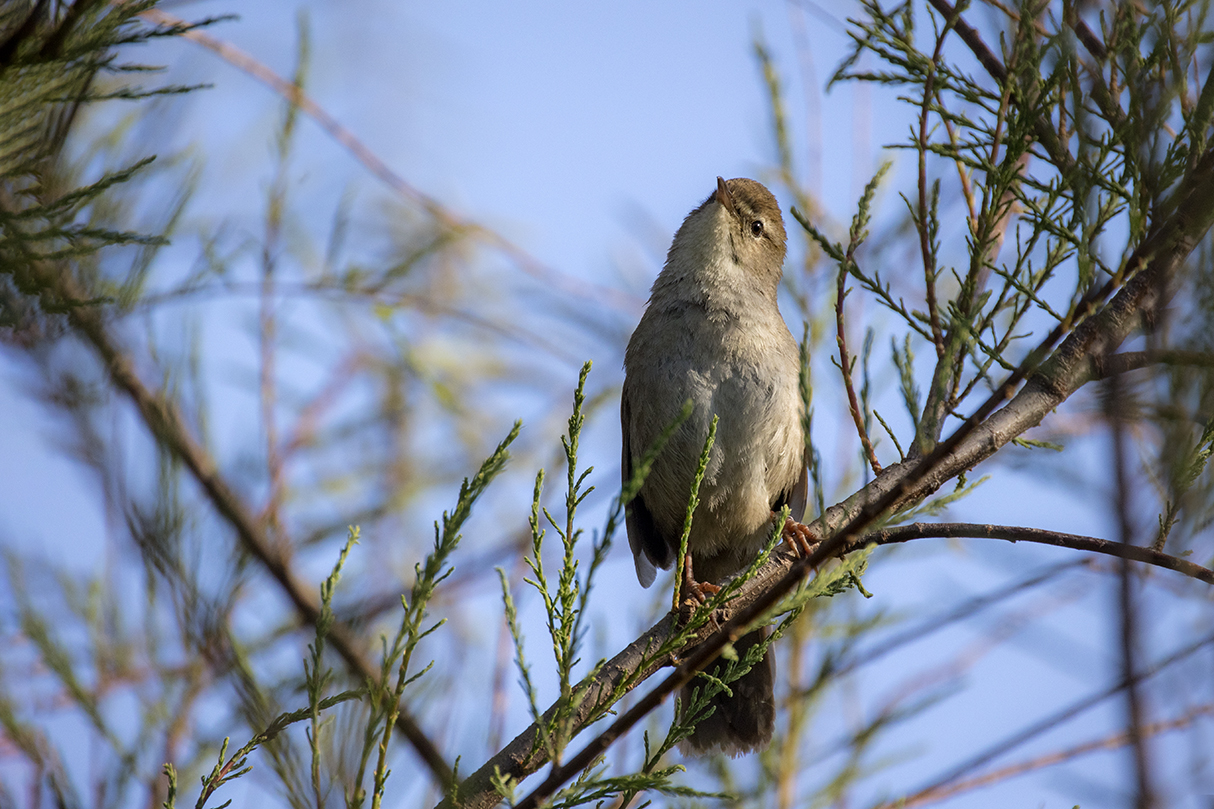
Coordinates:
[295,95]
[925,237]
[845,366]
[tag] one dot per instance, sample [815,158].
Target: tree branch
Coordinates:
[1041,726]
[1126,361]
[1040,536]
[164,421]
[1149,269]
[845,368]
[1109,107]
[1111,742]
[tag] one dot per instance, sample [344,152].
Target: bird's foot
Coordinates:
[692,593]
[797,536]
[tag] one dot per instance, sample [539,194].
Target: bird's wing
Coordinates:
[796,496]
[648,547]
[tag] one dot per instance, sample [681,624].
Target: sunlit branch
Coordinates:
[1050,382]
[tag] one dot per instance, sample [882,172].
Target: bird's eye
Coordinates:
[756,228]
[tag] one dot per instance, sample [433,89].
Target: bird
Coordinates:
[712,334]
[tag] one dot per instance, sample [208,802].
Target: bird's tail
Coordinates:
[742,722]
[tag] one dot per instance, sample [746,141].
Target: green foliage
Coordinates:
[317,675]
[1037,180]
[386,699]
[383,697]
[693,502]
[1111,167]
[232,767]
[49,66]
[813,455]
[565,604]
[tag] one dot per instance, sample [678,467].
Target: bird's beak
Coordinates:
[725,199]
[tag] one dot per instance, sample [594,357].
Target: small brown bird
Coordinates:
[712,333]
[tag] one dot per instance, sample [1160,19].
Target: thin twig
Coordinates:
[1111,742]
[165,422]
[963,174]
[845,366]
[295,94]
[1040,536]
[961,612]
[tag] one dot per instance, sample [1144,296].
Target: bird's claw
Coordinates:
[798,537]
[694,594]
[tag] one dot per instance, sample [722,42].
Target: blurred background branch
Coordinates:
[220,352]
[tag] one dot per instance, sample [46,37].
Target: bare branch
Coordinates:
[845,368]
[1112,742]
[1040,536]
[1054,720]
[1126,361]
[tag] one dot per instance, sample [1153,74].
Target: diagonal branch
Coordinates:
[1041,726]
[294,94]
[845,366]
[165,422]
[1051,381]
[1111,742]
[1041,127]
[1109,108]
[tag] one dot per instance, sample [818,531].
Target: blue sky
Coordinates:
[584,133]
